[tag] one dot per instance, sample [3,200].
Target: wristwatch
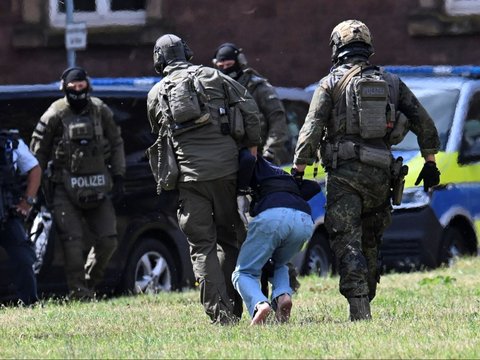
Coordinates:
[30,200]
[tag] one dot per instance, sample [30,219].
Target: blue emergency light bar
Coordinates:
[130,81]
[123,81]
[445,70]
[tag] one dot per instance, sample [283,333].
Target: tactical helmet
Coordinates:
[74,73]
[350,36]
[229,51]
[168,49]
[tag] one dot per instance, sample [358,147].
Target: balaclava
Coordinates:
[228,52]
[77,99]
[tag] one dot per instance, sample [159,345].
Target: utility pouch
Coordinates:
[237,128]
[163,163]
[83,147]
[367,102]
[224,122]
[235,117]
[80,132]
[400,129]
[87,191]
[380,158]
[346,150]
[180,128]
[86,159]
[372,102]
[183,100]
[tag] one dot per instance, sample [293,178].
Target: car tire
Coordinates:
[150,269]
[451,247]
[454,245]
[318,258]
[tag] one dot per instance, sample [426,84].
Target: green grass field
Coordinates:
[432,315]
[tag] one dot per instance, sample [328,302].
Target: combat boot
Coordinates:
[359,308]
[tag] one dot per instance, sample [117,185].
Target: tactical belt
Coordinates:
[348,150]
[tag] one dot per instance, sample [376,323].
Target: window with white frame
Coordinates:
[462,7]
[96,13]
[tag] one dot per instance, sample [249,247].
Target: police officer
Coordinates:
[230,60]
[188,110]
[79,140]
[353,132]
[16,159]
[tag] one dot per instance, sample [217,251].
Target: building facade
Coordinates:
[287,41]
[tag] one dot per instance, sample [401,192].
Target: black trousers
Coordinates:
[14,240]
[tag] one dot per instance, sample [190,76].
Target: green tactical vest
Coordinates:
[85,174]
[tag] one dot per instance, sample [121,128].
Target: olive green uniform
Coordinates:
[208,163]
[48,145]
[273,122]
[358,194]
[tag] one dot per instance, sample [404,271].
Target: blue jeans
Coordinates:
[276,233]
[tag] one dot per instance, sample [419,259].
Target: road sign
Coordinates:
[76,36]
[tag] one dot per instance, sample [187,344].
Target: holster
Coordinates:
[399,171]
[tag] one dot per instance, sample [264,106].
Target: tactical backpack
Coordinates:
[186,100]
[368,118]
[369,112]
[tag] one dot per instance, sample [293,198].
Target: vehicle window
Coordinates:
[131,114]
[23,114]
[440,104]
[295,111]
[470,146]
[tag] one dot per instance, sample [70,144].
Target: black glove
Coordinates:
[118,190]
[429,174]
[297,175]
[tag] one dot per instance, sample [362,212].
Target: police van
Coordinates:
[153,253]
[428,229]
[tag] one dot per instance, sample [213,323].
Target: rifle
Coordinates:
[399,171]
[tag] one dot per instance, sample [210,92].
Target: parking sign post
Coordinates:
[75,34]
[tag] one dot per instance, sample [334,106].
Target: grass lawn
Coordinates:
[433,314]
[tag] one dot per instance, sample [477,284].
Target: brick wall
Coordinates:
[285,40]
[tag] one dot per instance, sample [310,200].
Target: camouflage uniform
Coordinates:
[273,122]
[358,195]
[208,163]
[48,145]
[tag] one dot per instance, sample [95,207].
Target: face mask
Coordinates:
[234,71]
[77,99]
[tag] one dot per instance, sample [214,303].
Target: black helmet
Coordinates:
[350,37]
[78,99]
[229,51]
[74,73]
[168,49]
